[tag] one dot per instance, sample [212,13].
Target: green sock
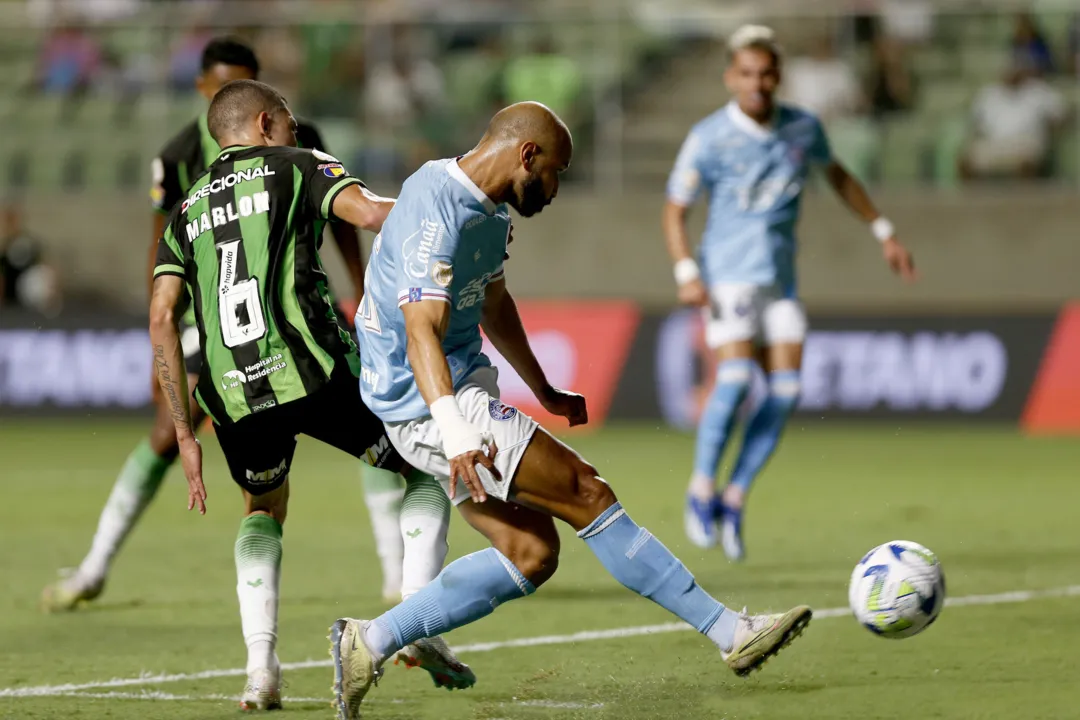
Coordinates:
[138,483]
[258,569]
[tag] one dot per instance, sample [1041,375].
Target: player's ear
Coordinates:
[266,124]
[529,151]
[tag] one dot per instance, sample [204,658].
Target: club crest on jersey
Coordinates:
[442,273]
[501,411]
[333,170]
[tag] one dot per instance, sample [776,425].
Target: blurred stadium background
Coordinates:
[961,115]
[914,94]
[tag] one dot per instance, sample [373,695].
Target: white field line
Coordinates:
[1016,596]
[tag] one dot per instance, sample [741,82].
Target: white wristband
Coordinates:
[458,435]
[686,270]
[883,229]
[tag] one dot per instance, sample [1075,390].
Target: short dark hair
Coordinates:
[237,103]
[229,51]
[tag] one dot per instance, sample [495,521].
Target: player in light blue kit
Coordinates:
[753,156]
[434,279]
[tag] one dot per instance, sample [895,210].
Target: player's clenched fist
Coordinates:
[566,404]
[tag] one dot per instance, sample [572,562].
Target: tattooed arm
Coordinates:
[169,367]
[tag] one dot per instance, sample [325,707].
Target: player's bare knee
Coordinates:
[594,495]
[274,503]
[537,558]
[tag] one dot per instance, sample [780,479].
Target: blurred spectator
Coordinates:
[25,279]
[545,76]
[1073,49]
[404,88]
[185,61]
[1013,125]
[1029,47]
[823,83]
[281,57]
[892,83]
[69,61]
[911,22]
[404,104]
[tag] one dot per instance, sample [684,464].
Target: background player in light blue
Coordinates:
[433,281]
[753,157]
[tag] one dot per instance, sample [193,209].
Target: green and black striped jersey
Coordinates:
[247,240]
[191,151]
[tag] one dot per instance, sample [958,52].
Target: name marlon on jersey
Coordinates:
[247,205]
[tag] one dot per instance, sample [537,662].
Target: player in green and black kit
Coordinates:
[183,160]
[245,244]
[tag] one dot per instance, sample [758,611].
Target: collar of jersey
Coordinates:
[750,126]
[458,174]
[234,148]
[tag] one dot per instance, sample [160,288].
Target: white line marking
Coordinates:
[1018,596]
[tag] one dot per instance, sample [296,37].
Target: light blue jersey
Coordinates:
[445,241]
[755,177]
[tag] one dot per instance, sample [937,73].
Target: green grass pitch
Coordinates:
[999,509]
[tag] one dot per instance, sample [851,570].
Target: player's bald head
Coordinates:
[532,122]
[238,106]
[534,147]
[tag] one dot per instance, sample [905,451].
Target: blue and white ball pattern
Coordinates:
[897,589]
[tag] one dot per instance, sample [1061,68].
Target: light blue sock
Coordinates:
[732,383]
[764,429]
[641,562]
[466,590]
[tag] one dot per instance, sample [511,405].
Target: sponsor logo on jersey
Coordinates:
[265,366]
[264,406]
[232,380]
[266,477]
[226,182]
[377,453]
[418,255]
[442,273]
[333,170]
[501,411]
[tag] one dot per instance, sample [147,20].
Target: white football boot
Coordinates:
[263,690]
[760,637]
[433,655]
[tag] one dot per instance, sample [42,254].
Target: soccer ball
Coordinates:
[897,589]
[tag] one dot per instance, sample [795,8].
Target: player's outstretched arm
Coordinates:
[426,323]
[854,195]
[503,327]
[169,367]
[363,208]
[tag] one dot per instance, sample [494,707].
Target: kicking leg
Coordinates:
[554,479]
[762,436]
[733,375]
[134,489]
[383,494]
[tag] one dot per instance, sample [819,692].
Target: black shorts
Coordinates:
[259,448]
